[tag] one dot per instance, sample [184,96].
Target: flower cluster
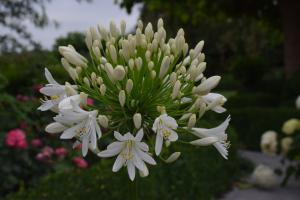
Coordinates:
[16,138]
[146,86]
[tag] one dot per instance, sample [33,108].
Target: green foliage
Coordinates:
[192,176]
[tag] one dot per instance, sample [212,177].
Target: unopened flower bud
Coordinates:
[147,55]
[192,122]
[198,48]
[192,72]
[180,94]
[163,112]
[122,97]
[173,157]
[182,70]
[176,89]
[150,65]
[185,49]
[167,143]
[137,119]
[139,37]
[87,82]
[155,45]
[164,67]
[201,58]
[121,53]
[113,28]
[113,53]
[138,63]
[202,109]
[65,63]
[144,44]
[198,103]
[153,74]
[93,77]
[110,72]
[71,58]
[103,89]
[70,91]
[205,87]
[129,85]
[99,80]
[205,141]
[73,73]
[132,103]
[119,72]
[78,70]
[200,68]
[173,78]
[88,39]
[203,79]
[171,59]
[103,121]
[215,103]
[97,52]
[123,27]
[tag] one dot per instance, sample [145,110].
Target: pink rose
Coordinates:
[80,162]
[15,136]
[62,152]
[10,142]
[40,157]
[36,142]
[22,144]
[90,101]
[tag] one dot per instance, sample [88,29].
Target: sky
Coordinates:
[74,16]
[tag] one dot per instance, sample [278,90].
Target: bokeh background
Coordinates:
[253,45]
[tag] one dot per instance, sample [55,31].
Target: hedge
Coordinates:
[199,173]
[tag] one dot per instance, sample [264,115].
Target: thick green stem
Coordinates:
[133,189]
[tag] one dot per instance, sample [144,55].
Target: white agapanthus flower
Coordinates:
[219,132]
[268,143]
[263,176]
[55,91]
[131,153]
[164,126]
[86,126]
[141,82]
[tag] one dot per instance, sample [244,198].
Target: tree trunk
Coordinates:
[290,12]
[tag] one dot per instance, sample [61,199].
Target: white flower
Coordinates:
[286,145]
[80,99]
[173,157]
[218,132]
[85,128]
[263,176]
[164,126]
[131,153]
[290,126]
[268,143]
[56,92]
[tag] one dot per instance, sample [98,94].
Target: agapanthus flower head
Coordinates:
[143,83]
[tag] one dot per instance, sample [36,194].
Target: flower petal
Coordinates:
[70,132]
[118,163]
[118,136]
[158,143]
[85,145]
[131,169]
[139,135]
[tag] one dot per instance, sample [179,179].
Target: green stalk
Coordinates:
[133,189]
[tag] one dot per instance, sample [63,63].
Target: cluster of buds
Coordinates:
[155,86]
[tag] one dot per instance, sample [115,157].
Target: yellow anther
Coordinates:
[160,129]
[58,96]
[221,104]
[45,97]
[124,163]
[170,127]
[123,147]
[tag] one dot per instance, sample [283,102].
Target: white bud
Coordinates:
[139,63]
[139,37]
[140,25]
[112,28]
[173,157]
[123,26]
[182,70]
[110,72]
[83,99]
[113,53]
[70,91]
[148,33]
[192,122]
[132,46]
[164,67]
[176,89]
[63,49]
[150,47]
[167,53]
[131,64]
[215,103]
[198,48]
[129,37]
[112,41]
[171,59]
[65,63]
[73,73]
[55,127]
[97,52]
[150,65]
[93,77]
[147,55]
[163,112]
[179,45]
[203,79]
[87,82]
[160,34]
[200,68]
[194,62]
[103,89]
[117,33]
[137,119]
[167,143]
[94,33]
[103,121]
[70,46]
[78,70]
[202,109]
[201,58]
[71,58]
[144,44]
[88,39]
[129,85]
[205,141]
[119,72]
[155,45]
[173,47]
[180,94]
[185,49]
[122,97]
[160,23]
[153,74]
[192,72]
[126,50]
[99,80]
[173,78]
[205,87]
[198,103]
[145,171]
[121,53]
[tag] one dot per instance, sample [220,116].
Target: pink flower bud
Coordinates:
[80,162]
[36,142]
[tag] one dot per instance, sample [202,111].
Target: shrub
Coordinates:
[194,174]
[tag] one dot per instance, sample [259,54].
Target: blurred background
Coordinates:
[252,44]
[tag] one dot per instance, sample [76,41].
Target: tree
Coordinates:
[280,15]
[14,14]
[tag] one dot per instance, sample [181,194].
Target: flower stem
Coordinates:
[133,189]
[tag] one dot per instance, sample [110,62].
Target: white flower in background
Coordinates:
[85,128]
[268,143]
[219,132]
[286,145]
[163,127]
[290,126]
[298,102]
[55,91]
[263,176]
[131,153]
[79,99]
